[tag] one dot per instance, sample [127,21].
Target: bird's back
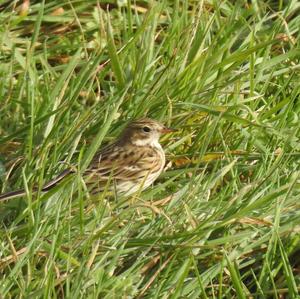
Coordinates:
[129,168]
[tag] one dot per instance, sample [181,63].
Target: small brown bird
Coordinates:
[132,163]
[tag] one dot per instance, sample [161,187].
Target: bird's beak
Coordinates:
[166,130]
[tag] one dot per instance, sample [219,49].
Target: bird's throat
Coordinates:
[147,142]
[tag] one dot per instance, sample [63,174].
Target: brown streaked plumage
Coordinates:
[132,163]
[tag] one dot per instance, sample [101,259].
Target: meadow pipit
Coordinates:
[133,162]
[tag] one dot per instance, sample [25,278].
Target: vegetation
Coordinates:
[223,220]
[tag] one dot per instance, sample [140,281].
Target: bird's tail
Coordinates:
[12,194]
[48,186]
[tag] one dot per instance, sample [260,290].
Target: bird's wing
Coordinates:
[122,163]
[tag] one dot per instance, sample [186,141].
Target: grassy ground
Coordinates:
[223,221]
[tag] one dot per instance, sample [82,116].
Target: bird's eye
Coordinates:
[146,129]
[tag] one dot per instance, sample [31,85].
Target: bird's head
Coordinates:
[143,132]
